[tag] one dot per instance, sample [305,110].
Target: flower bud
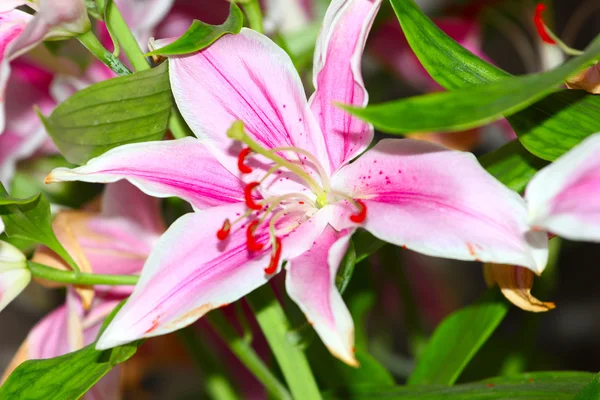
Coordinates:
[67,18]
[14,274]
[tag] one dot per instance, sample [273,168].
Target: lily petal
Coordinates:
[189,273]
[337,78]
[182,168]
[310,282]
[14,275]
[441,203]
[12,23]
[123,200]
[564,197]
[24,133]
[245,77]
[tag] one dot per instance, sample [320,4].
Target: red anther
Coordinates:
[362,214]
[248,196]
[224,231]
[538,20]
[244,169]
[275,257]
[251,242]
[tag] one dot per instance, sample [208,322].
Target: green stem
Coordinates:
[216,383]
[79,278]
[91,42]
[120,30]
[247,356]
[254,15]
[291,359]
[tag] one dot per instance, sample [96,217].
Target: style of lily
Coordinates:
[563,199]
[20,31]
[116,240]
[281,186]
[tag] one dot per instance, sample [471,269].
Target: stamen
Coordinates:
[244,169]
[538,20]
[275,257]
[362,214]
[248,196]
[224,231]
[237,132]
[251,242]
[323,175]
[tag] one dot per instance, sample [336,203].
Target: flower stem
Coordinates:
[91,42]
[247,356]
[132,50]
[79,278]
[254,15]
[128,42]
[291,359]
[217,385]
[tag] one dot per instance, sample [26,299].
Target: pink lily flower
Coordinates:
[293,194]
[20,32]
[116,240]
[564,197]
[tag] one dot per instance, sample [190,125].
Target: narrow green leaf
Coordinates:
[346,269]
[472,106]
[32,221]
[591,391]
[457,339]
[201,35]
[118,111]
[548,128]
[531,386]
[66,377]
[5,199]
[512,165]
[291,359]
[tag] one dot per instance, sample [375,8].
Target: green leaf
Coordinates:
[365,244]
[118,111]
[548,128]
[29,180]
[473,106]
[69,376]
[346,269]
[32,221]
[532,386]
[591,391]
[201,35]
[6,199]
[512,165]
[457,339]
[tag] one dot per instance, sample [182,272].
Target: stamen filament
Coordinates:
[313,159]
[359,204]
[237,132]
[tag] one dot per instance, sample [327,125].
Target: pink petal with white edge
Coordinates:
[245,77]
[441,203]
[182,168]
[189,273]
[310,282]
[12,23]
[338,78]
[564,197]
